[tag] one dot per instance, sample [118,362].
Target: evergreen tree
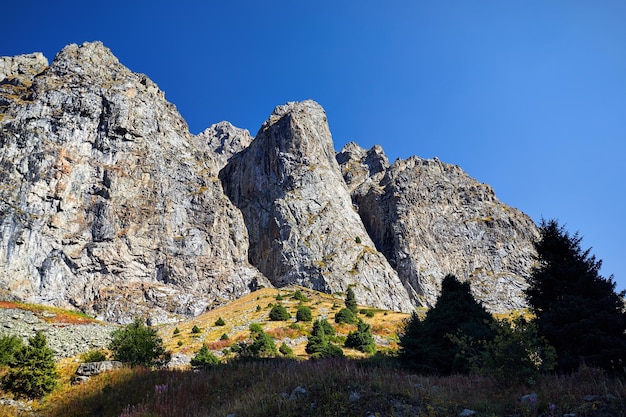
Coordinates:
[345,315]
[9,346]
[577,310]
[137,344]
[428,345]
[361,339]
[319,345]
[351,301]
[304,314]
[204,358]
[32,371]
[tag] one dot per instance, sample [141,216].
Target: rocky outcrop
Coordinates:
[430,219]
[106,202]
[109,205]
[301,223]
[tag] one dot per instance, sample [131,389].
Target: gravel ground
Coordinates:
[65,340]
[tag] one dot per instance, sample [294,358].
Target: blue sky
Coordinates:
[527,96]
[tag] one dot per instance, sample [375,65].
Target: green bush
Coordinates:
[32,372]
[204,358]
[304,314]
[279,297]
[285,350]
[195,329]
[279,313]
[345,316]
[517,354]
[255,328]
[93,355]
[180,343]
[361,339]
[137,344]
[9,345]
[224,337]
[299,296]
[176,331]
[220,322]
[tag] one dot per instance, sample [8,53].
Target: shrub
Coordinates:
[176,331]
[345,316]
[358,240]
[255,328]
[180,343]
[32,371]
[279,313]
[93,355]
[304,314]
[285,349]
[9,345]
[279,297]
[299,296]
[220,322]
[204,358]
[224,337]
[137,344]
[517,354]
[361,339]
[258,308]
[195,329]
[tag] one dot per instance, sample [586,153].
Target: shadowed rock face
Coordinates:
[107,203]
[430,219]
[302,226]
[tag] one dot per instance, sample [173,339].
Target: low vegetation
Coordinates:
[452,358]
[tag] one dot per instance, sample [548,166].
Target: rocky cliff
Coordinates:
[430,219]
[108,204]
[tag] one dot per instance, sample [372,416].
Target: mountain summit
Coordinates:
[109,205]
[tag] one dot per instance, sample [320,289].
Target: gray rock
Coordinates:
[298,393]
[430,219]
[106,200]
[95,368]
[354,396]
[529,399]
[467,412]
[298,211]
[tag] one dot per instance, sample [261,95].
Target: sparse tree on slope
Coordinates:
[577,310]
[137,344]
[32,373]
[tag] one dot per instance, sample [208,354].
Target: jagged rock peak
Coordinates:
[360,166]
[430,218]
[298,212]
[107,203]
[27,65]
[224,140]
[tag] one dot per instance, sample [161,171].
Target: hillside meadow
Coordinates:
[358,385]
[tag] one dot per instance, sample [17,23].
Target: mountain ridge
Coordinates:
[110,205]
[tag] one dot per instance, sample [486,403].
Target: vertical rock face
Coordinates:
[302,226]
[430,219]
[106,202]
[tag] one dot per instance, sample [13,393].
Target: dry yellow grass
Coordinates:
[255,308]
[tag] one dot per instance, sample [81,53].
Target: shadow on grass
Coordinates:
[330,387]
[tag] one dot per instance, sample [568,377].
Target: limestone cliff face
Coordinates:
[108,204]
[106,201]
[430,219]
[302,226]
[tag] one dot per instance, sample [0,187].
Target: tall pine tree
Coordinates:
[427,346]
[577,310]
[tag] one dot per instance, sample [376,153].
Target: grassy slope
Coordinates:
[354,387]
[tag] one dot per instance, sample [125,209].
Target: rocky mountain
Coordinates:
[430,218]
[108,204]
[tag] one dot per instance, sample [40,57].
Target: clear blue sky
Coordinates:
[528,96]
